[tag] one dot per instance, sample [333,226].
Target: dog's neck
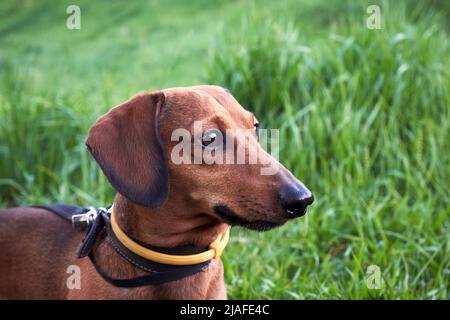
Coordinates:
[168,226]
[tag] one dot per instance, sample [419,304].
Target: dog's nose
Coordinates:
[295,199]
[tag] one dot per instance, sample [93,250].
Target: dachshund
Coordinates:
[161,202]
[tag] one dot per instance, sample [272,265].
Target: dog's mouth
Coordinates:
[230,217]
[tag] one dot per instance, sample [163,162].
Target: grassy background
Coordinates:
[364,118]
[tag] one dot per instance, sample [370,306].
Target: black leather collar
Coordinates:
[157,273]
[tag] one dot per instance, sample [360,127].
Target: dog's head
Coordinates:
[199,144]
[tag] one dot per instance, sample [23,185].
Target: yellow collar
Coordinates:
[215,248]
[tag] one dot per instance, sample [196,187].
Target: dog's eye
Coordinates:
[212,138]
[209,138]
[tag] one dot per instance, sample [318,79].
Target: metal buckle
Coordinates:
[81,221]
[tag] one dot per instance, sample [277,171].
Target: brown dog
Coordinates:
[159,203]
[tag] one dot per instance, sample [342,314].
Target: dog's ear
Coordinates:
[126,144]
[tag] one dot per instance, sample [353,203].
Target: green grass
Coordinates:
[364,118]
